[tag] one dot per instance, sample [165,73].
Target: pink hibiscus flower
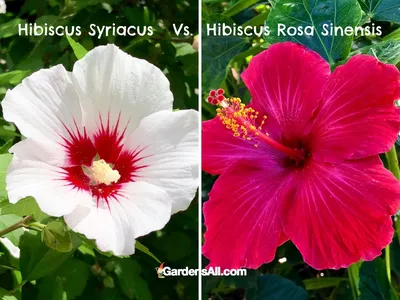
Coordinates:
[301,161]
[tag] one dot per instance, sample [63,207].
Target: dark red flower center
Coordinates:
[104,151]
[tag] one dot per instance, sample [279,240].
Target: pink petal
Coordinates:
[220,148]
[241,216]
[357,117]
[341,213]
[286,83]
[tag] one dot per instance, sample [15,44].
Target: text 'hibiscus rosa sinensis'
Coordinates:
[301,162]
[103,147]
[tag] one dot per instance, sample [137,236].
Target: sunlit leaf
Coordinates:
[79,50]
[23,207]
[5,160]
[6,295]
[387,52]
[7,221]
[10,28]
[146,250]
[316,13]
[13,77]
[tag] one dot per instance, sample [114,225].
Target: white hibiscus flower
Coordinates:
[103,147]
[3,7]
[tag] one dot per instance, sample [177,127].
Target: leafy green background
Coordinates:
[55,263]
[223,60]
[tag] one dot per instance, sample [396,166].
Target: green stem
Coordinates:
[393,162]
[15,226]
[393,166]
[18,287]
[37,225]
[7,267]
[387,260]
[354,278]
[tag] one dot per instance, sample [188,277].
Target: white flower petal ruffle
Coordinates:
[45,183]
[117,86]
[139,209]
[43,106]
[3,7]
[170,153]
[30,174]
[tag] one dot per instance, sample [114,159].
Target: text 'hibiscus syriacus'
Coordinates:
[103,147]
[301,162]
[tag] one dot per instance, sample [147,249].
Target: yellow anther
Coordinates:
[238,118]
[101,172]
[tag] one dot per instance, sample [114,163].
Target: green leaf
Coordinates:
[87,249]
[5,160]
[354,278]
[387,52]
[316,13]
[10,28]
[394,35]
[183,49]
[321,283]
[108,282]
[73,275]
[24,207]
[7,221]
[37,260]
[258,20]
[238,7]
[139,246]
[58,292]
[374,283]
[79,50]
[4,149]
[382,10]
[131,283]
[13,77]
[56,236]
[5,295]
[274,287]
[217,52]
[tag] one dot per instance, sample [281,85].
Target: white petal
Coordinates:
[139,209]
[3,7]
[14,250]
[170,153]
[43,105]
[112,82]
[41,150]
[45,183]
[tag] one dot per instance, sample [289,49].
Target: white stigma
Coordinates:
[101,172]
